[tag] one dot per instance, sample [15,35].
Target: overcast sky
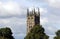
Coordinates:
[13,15]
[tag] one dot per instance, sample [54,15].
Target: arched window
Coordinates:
[30,26]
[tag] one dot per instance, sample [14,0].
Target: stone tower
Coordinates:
[33,18]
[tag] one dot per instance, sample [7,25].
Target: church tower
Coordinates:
[33,18]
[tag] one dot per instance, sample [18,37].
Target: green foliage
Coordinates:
[6,33]
[37,32]
[57,35]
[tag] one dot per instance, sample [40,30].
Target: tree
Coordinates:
[57,35]
[37,32]
[6,33]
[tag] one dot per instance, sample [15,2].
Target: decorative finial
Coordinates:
[38,11]
[27,12]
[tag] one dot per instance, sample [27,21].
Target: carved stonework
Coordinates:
[33,18]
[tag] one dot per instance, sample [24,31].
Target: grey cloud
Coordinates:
[11,9]
[17,25]
[37,0]
[53,16]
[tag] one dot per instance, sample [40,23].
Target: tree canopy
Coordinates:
[6,33]
[57,35]
[37,32]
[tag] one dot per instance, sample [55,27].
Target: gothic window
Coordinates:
[30,26]
[31,17]
[28,17]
